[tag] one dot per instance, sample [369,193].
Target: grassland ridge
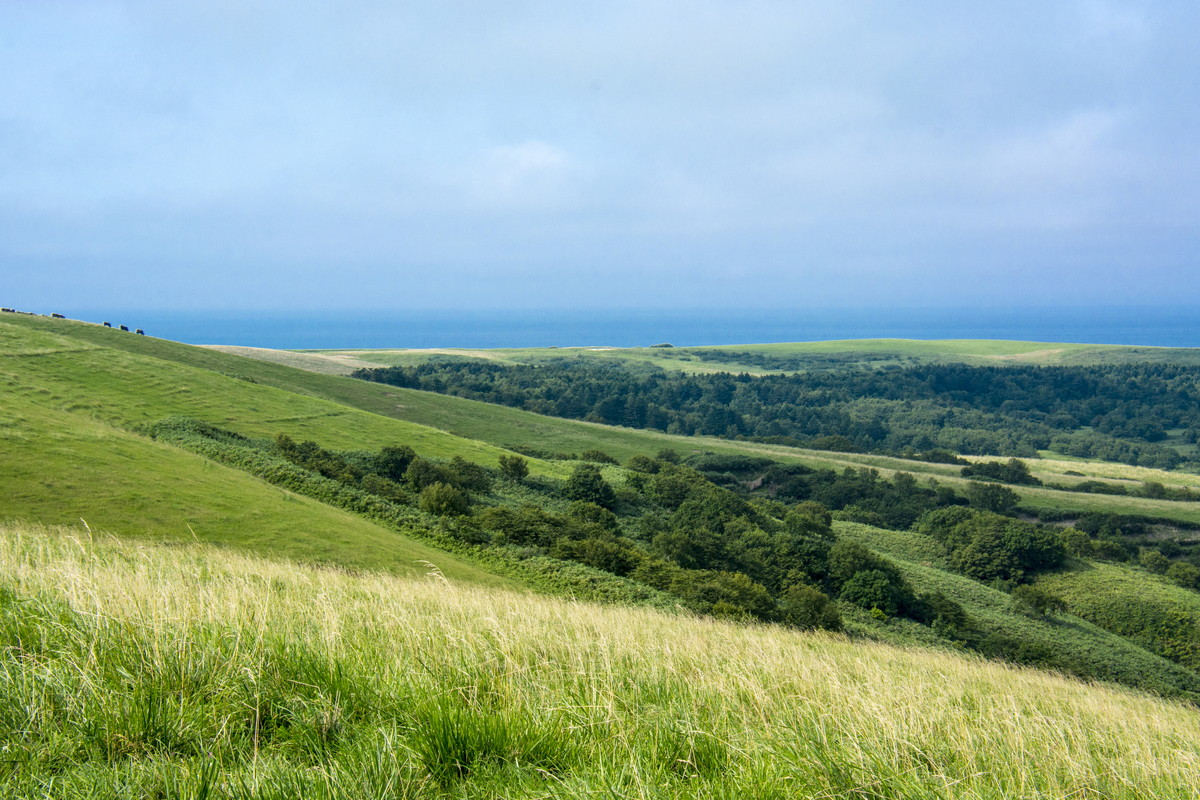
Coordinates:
[141,670]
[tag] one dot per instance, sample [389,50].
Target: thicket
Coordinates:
[669,536]
[1119,413]
[675,532]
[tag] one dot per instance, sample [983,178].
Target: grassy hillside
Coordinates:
[1079,641]
[852,352]
[1154,612]
[73,441]
[192,672]
[65,468]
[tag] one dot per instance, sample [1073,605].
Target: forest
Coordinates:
[1131,413]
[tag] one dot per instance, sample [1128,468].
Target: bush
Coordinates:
[1036,601]
[1012,471]
[583,511]
[468,475]
[872,589]
[391,462]
[587,484]
[514,468]
[1184,574]
[992,497]
[617,556]
[597,457]
[443,500]
[641,463]
[1153,561]
[807,607]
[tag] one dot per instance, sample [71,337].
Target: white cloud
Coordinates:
[529,175]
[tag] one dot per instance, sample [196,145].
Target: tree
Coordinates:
[587,484]
[807,607]
[393,461]
[514,468]
[870,589]
[992,497]
[1153,560]
[443,500]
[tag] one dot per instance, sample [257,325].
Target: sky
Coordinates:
[236,154]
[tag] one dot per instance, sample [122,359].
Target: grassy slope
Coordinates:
[61,468]
[1103,592]
[287,682]
[877,352]
[67,454]
[1105,654]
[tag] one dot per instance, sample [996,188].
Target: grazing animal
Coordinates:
[58,316]
[124,328]
[141,332]
[107,324]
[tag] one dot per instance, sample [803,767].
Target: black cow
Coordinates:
[140,332]
[124,327]
[106,324]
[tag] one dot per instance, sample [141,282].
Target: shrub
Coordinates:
[872,589]
[583,511]
[586,483]
[1184,574]
[421,473]
[514,468]
[617,556]
[597,457]
[1012,471]
[807,607]
[641,463]
[1035,601]
[992,497]
[468,475]
[443,500]
[391,462]
[1153,560]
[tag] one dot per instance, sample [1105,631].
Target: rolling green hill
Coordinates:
[82,438]
[198,673]
[756,358]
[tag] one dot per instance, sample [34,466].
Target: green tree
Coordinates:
[1184,574]
[807,607]
[587,484]
[514,468]
[992,497]
[443,500]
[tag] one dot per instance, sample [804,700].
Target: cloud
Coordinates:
[532,175]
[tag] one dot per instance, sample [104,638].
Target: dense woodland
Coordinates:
[1117,413]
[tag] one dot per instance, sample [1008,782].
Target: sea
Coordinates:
[1163,326]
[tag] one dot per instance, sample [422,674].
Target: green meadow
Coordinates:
[141,671]
[175,626]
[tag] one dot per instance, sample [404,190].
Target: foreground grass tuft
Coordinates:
[196,673]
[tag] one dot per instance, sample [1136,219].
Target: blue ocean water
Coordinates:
[1157,326]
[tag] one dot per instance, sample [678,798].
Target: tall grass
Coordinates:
[193,672]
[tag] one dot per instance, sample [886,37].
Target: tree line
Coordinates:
[1119,412]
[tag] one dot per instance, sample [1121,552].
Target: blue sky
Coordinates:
[577,155]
